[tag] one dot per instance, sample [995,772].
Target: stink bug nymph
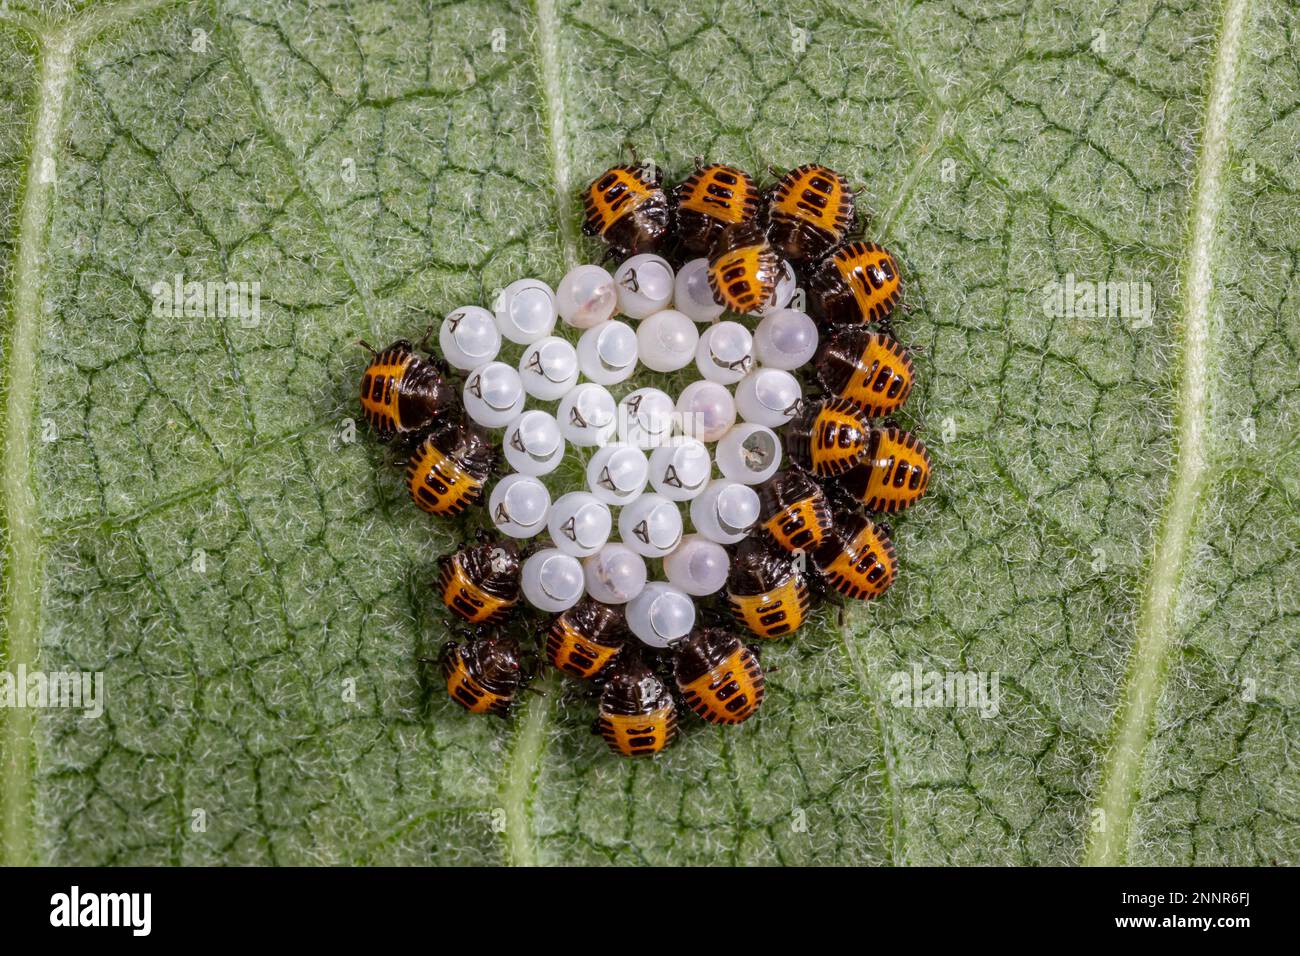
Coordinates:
[402,392]
[586,638]
[765,590]
[857,283]
[795,512]
[638,716]
[714,197]
[627,208]
[484,674]
[809,210]
[718,676]
[828,437]
[446,472]
[480,582]
[894,473]
[871,369]
[743,268]
[857,558]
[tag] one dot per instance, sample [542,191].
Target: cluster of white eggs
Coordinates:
[645,440]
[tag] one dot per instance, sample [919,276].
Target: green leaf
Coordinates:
[1112,529]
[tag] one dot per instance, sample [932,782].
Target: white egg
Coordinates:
[552,580]
[768,396]
[469,337]
[493,395]
[579,523]
[587,415]
[705,410]
[681,469]
[607,353]
[615,574]
[525,311]
[698,566]
[549,368]
[519,505]
[660,614]
[725,352]
[693,295]
[666,341]
[617,473]
[533,444]
[749,453]
[645,285]
[726,511]
[785,339]
[646,418]
[586,296]
[651,526]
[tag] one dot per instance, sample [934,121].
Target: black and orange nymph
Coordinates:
[638,716]
[795,512]
[484,674]
[765,590]
[448,469]
[718,676]
[711,199]
[743,269]
[402,392]
[587,638]
[809,210]
[480,582]
[627,208]
[871,369]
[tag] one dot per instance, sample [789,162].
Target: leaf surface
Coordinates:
[1113,528]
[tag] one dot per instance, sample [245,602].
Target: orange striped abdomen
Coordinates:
[894,475]
[872,275]
[639,735]
[801,526]
[882,377]
[439,484]
[773,613]
[729,693]
[466,598]
[381,387]
[574,653]
[744,278]
[467,691]
[862,565]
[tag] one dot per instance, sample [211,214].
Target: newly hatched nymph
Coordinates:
[743,268]
[809,210]
[893,474]
[856,284]
[626,207]
[587,638]
[857,558]
[402,392]
[795,511]
[828,437]
[718,676]
[638,716]
[765,590]
[714,197]
[447,471]
[480,582]
[871,369]
[483,675]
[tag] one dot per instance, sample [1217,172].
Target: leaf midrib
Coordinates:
[1119,787]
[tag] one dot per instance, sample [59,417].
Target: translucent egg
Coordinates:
[493,395]
[579,524]
[586,296]
[698,566]
[618,473]
[666,341]
[651,526]
[645,285]
[681,469]
[749,453]
[785,339]
[692,294]
[768,396]
[725,352]
[552,580]
[525,311]
[518,506]
[786,284]
[587,415]
[533,444]
[646,418]
[615,574]
[726,511]
[607,353]
[705,410]
[469,337]
[549,368]
[660,614]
